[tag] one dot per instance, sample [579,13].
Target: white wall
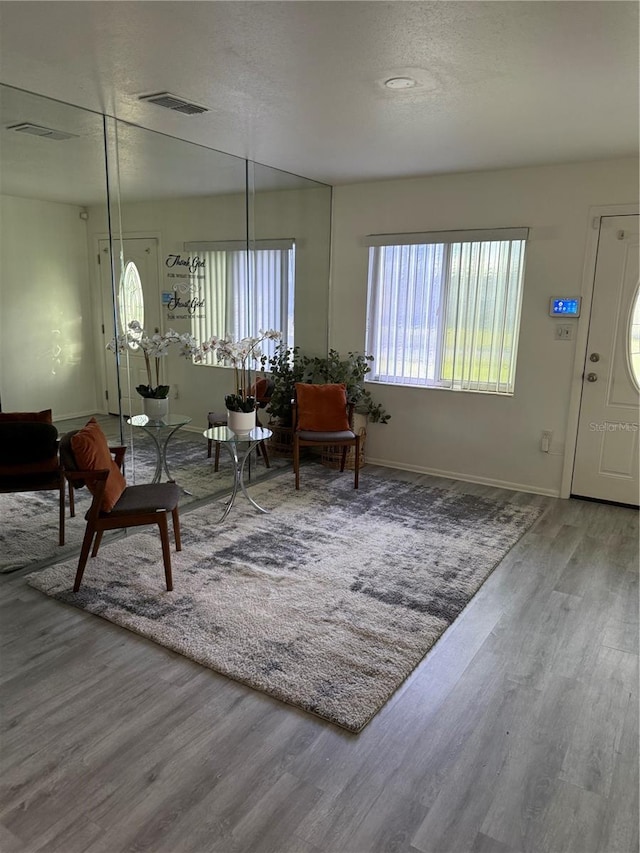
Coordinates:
[46,341]
[477,436]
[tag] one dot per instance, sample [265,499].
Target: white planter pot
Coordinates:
[154,408]
[241,422]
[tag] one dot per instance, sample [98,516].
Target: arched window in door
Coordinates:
[634,338]
[131,301]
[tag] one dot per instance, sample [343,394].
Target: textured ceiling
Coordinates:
[298,85]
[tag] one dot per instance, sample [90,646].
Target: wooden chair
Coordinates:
[88,460]
[322,417]
[29,457]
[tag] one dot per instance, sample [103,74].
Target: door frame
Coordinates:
[582,337]
[98,313]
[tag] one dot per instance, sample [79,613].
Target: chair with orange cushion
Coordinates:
[29,457]
[321,417]
[88,460]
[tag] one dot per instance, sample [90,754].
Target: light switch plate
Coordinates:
[564,333]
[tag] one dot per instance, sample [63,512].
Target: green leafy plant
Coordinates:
[351,372]
[240,403]
[288,366]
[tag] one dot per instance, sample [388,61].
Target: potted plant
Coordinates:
[286,366]
[241,404]
[349,371]
[240,354]
[154,347]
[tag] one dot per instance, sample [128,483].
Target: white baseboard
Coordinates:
[468,478]
[69,417]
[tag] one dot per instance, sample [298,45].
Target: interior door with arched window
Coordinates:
[606,460]
[137,297]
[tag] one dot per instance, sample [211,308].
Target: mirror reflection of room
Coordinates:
[104,225]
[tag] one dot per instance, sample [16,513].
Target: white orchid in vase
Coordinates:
[152,348]
[238,354]
[241,355]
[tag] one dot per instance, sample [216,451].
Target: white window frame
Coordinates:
[633,339]
[444,310]
[131,303]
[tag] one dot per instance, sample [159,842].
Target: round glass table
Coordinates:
[232,442]
[160,431]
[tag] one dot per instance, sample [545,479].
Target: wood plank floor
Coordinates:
[517,734]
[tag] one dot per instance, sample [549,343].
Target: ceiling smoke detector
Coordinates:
[40,130]
[173,102]
[400,83]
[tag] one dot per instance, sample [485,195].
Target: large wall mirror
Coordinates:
[102,223]
[52,171]
[220,246]
[290,230]
[171,196]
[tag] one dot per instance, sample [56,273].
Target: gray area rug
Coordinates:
[29,520]
[328,602]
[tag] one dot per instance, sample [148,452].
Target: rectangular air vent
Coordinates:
[39,130]
[173,102]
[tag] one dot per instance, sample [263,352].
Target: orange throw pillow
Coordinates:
[322,408]
[92,453]
[43,417]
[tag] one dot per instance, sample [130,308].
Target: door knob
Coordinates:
[592,377]
[595,356]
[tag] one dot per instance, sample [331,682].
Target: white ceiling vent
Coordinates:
[173,102]
[39,130]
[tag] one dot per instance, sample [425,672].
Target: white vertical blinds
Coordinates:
[446,313]
[213,321]
[246,291]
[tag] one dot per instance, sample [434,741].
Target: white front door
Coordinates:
[139,258]
[606,461]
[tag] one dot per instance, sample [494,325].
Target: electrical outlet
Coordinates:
[176,392]
[545,440]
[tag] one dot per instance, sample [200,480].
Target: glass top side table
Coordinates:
[160,431]
[231,441]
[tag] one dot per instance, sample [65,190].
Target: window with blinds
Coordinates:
[246,291]
[444,308]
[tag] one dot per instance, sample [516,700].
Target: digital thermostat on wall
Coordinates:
[565,306]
